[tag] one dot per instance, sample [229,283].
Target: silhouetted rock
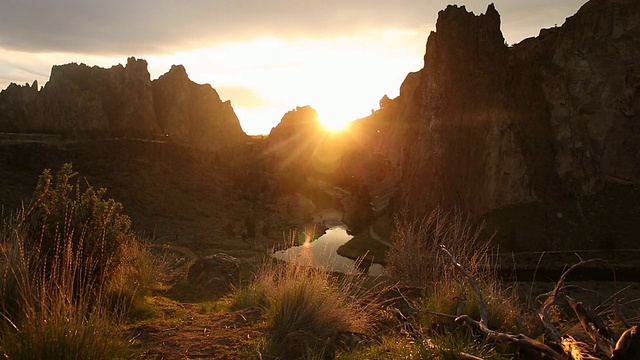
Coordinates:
[484,125]
[295,139]
[92,102]
[194,113]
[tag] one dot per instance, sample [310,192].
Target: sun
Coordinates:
[334,121]
[335,126]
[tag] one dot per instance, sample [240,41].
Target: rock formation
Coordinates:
[484,125]
[295,139]
[92,102]
[193,113]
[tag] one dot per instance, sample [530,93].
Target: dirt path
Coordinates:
[186,331]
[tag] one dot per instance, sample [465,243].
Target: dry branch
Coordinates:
[553,300]
[526,345]
[600,333]
[484,318]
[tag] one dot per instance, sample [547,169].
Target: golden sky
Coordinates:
[267,57]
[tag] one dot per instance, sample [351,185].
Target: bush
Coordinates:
[415,258]
[63,260]
[50,307]
[90,225]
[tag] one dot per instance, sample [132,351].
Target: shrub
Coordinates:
[61,257]
[415,258]
[92,226]
[52,314]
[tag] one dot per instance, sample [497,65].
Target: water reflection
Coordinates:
[322,252]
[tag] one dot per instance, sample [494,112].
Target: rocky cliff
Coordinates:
[194,113]
[92,102]
[484,125]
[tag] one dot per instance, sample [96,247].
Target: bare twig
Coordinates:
[484,319]
[441,314]
[553,299]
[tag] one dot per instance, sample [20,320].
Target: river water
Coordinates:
[322,252]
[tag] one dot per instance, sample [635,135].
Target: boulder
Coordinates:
[219,272]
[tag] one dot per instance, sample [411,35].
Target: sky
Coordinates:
[266,56]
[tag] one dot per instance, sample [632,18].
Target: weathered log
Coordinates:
[484,318]
[553,300]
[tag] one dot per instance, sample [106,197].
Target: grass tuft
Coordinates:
[308,299]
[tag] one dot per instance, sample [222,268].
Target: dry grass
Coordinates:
[416,259]
[309,299]
[66,260]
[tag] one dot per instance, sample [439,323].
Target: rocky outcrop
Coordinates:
[295,139]
[194,113]
[484,125]
[92,102]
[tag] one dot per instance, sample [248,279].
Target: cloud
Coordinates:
[124,27]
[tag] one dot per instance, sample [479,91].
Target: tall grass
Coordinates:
[310,299]
[63,260]
[416,259]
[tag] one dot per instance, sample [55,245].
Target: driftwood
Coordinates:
[484,318]
[600,334]
[577,350]
[626,348]
[529,348]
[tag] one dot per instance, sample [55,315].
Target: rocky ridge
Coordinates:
[92,102]
[484,125]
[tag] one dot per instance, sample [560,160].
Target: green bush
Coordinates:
[93,226]
[63,260]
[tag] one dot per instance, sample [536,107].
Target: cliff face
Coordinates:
[93,102]
[484,125]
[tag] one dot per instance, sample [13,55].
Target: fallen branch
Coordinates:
[619,314]
[543,314]
[600,333]
[484,318]
[532,348]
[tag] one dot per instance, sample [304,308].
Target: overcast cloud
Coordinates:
[123,27]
